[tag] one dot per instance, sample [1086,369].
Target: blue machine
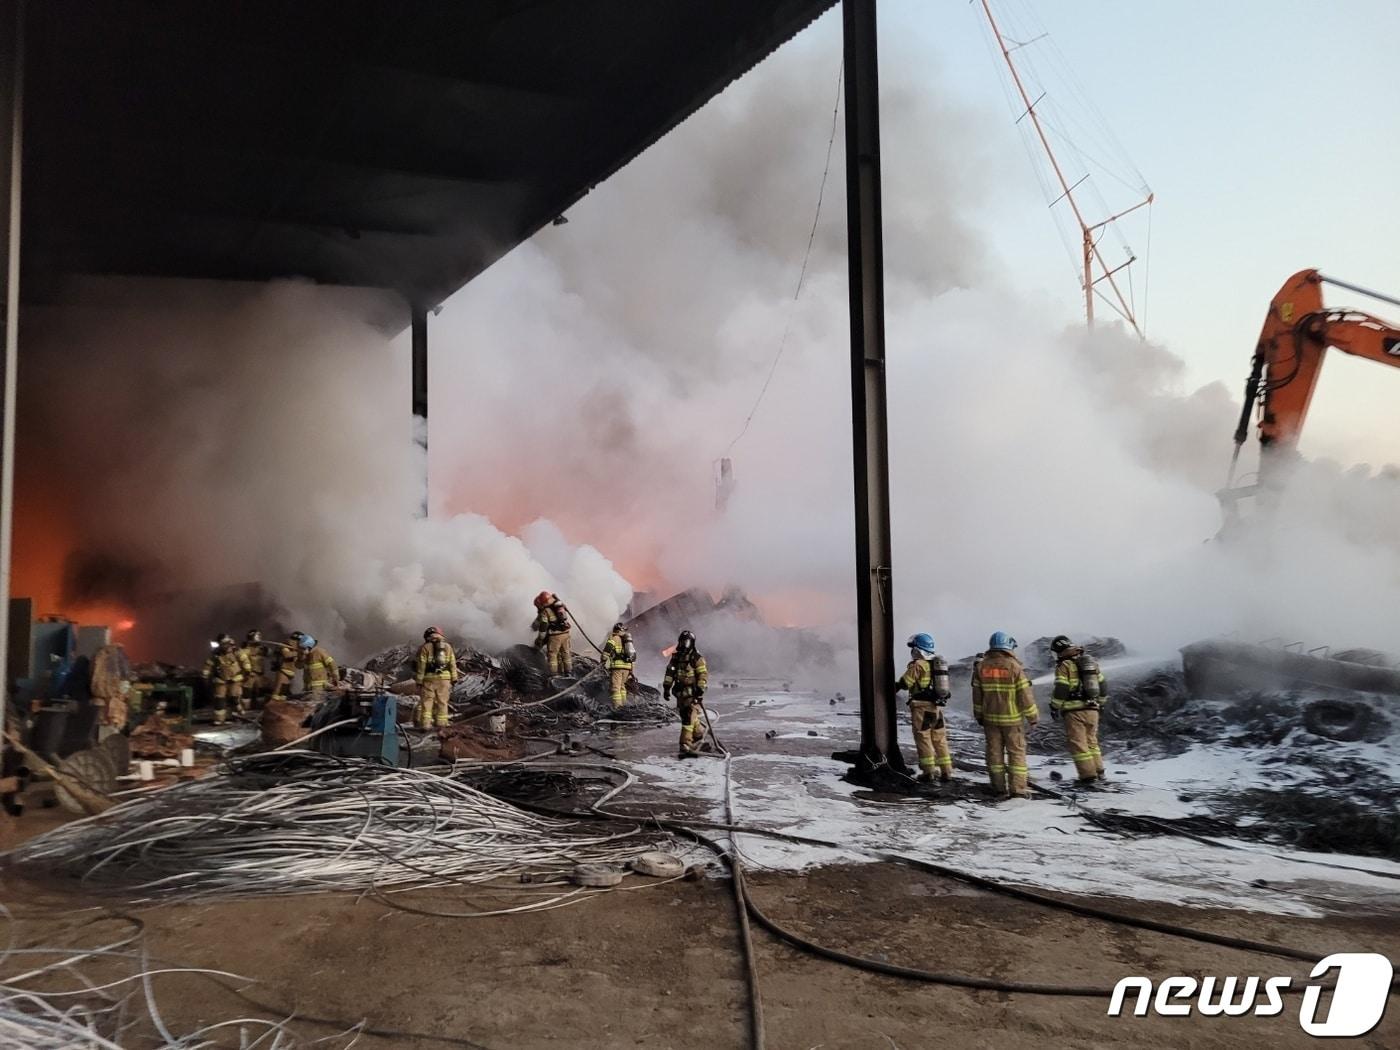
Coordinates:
[374,733]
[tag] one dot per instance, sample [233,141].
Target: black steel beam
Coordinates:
[419,325]
[879,754]
[12,59]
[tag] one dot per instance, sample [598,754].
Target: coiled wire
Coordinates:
[301,822]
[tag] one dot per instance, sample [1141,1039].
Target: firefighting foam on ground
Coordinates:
[316,734]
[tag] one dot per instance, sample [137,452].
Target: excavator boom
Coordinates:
[1297,332]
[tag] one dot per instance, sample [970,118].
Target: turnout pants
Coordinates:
[560,654]
[433,694]
[283,686]
[223,693]
[618,677]
[692,729]
[1082,737]
[931,738]
[1006,759]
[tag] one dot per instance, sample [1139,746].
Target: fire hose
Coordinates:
[689,827]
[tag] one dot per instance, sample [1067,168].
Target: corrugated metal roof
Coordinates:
[402,145]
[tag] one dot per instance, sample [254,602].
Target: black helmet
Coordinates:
[685,641]
[252,636]
[222,640]
[432,631]
[1060,643]
[618,628]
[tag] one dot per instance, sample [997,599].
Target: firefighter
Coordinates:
[226,670]
[687,677]
[1080,693]
[926,678]
[318,669]
[288,657]
[260,680]
[619,658]
[1001,698]
[434,672]
[552,628]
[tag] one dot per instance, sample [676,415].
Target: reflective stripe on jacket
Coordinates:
[227,667]
[918,678]
[1066,696]
[687,673]
[552,619]
[288,659]
[320,669]
[614,653]
[1001,692]
[436,661]
[256,656]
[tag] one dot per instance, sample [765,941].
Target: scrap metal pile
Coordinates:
[297,822]
[517,678]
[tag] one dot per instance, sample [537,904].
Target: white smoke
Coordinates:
[252,435]
[583,388]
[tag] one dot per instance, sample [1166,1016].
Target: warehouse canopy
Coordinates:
[392,144]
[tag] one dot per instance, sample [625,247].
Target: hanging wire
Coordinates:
[802,274]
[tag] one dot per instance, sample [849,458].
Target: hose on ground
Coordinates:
[860,962]
[980,882]
[742,906]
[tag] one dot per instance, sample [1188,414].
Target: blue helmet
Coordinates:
[921,641]
[1002,641]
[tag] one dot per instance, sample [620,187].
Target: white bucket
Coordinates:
[187,757]
[496,724]
[147,769]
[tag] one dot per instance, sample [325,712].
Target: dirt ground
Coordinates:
[660,967]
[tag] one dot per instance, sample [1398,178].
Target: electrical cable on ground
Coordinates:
[296,821]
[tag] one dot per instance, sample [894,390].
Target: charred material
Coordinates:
[1213,666]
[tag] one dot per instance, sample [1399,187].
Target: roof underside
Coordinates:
[358,142]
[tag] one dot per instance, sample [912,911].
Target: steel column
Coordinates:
[12,142]
[420,396]
[879,744]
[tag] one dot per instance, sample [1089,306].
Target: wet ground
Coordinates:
[783,778]
[663,968]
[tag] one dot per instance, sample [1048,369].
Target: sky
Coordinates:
[1267,130]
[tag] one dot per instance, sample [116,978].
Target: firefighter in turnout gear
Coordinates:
[226,670]
[288,657]
[318,669]
[1080,693]
[435,671]
[687,677]
[1001,698]
[552,628]
[259,680]
[619,658]
[926,679]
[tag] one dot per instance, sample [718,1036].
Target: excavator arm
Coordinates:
[1288,360]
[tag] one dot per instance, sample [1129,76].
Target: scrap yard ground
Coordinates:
[661,968]
[660,965]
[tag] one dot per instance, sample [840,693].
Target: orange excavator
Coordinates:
[1287,362]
